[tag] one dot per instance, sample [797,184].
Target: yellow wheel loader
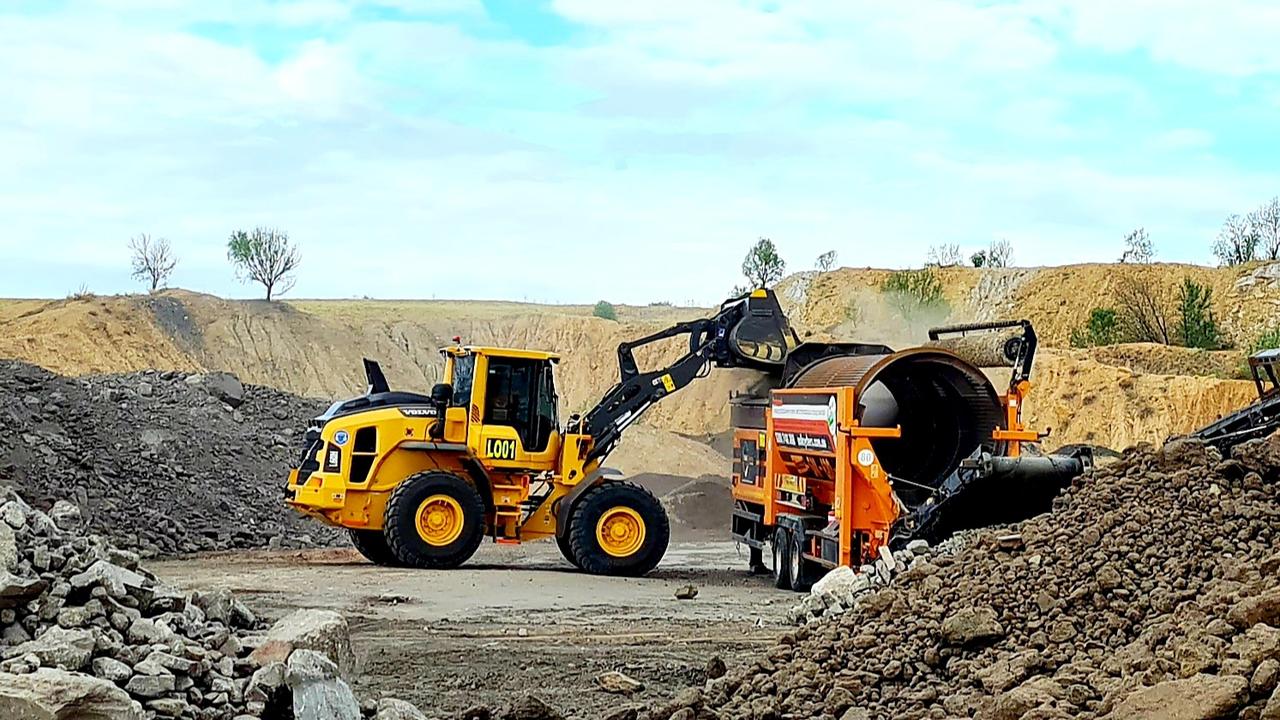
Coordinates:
[420,480]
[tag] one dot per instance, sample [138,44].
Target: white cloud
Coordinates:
[636,163]
[1233,37]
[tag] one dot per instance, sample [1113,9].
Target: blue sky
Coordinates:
[571,150]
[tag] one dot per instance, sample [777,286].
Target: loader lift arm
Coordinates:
[748,331]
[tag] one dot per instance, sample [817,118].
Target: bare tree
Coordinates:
[153,260]
[1144,309]
[826,260]
[264,256]
[1265,224]
[1237,242]
[946,255]
[1138,247]
[1000,254]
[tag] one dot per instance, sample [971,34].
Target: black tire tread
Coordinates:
[782,559]
[372,544]
[566,549]
[586,552]
[805,581]
[405,542]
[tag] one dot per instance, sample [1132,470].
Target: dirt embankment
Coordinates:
[1246,300]
[1111,396]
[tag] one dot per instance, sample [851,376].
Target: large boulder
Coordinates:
[8,548]
[59,647]
[117,581]
[224,386]
[1264,608]
[324,631]
[15,591]
[318,692]
[972,626]
[1200,697]
[49,694]
[66,515]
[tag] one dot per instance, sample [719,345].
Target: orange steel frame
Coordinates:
[860,496]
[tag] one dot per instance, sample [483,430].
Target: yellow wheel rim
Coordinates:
[439,520]
[620,531]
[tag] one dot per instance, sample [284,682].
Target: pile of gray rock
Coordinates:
[1150,591]
[87,632]
[840,588]
[162,463]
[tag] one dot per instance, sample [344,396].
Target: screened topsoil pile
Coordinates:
[1150,591]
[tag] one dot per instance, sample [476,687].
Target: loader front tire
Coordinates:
[372,544]
[618,528]
[434,520]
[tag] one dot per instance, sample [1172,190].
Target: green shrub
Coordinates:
[604,309]
[1102,328]
[1197,327]
[1268,340]
[915,292]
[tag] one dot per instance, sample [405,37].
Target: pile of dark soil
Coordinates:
[1150,591]
[159,462]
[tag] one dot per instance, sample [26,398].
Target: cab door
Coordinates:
[520,429]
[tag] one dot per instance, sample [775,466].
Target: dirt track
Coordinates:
[514,620]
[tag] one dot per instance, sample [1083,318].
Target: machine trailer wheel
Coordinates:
[782,559]
[618,529]
[434,520]
[372,544]
[801,577]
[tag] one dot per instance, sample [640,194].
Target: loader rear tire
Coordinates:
[618,528]
[434,520]
[372,544]
[566,549]
[782,559]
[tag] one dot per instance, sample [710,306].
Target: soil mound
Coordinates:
[701,507]
[1152,584]
[159,462]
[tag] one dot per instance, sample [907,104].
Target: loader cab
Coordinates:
[503,406]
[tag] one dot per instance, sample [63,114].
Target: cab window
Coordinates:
[464,370]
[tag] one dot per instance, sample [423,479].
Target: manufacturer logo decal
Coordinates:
[423,411]
[341,437]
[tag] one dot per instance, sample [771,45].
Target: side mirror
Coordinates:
[442,393]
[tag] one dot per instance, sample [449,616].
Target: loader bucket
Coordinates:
[762,338]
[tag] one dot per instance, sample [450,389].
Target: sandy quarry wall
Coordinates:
[1112,396]
[1246,300]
